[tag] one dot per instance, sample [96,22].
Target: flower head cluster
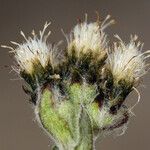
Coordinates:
[82,92]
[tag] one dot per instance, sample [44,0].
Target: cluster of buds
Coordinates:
[79,92]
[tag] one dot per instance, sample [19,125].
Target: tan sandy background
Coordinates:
[18,130]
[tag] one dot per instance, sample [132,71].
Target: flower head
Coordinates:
[89,37]
[127,61]
[34,51]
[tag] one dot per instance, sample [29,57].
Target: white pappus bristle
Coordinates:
[32,50]
[127,61]
[87,37]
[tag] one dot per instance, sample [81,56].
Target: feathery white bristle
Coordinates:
[89,36]
[127,61]
[33,49]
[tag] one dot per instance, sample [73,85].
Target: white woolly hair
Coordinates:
[106,117]
[34,49]
[127,61]
[87,37]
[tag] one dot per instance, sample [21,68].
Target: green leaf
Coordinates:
[52,122]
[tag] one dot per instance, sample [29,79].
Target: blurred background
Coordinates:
[18,128]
